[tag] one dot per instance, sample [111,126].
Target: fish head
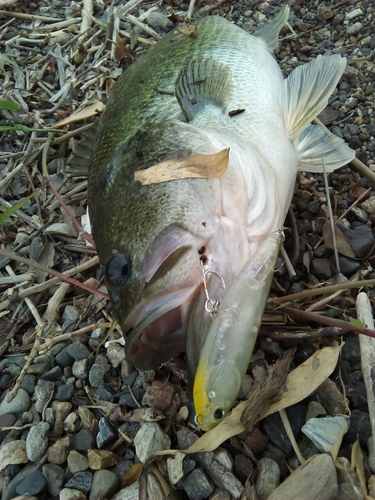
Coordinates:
[210,384]
[151,292]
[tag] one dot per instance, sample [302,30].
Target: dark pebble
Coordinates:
[347,266]
[28,384]
[271,348]
[274,427]
[243,467]
[105,434]
[83,440]
[6,420]
[5,381]
[80,481]
[351,351]
[78,351]
[64,359]
[131,401]
[321,268]
[130,428]
[129,381]
[361,239]
[360,426]
[103,393]
[64,392]
[33,484]
[54,374]
[197,485]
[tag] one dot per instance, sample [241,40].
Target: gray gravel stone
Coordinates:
[18,405]
[129,493]
[53,375]
[324,432]
[78,351]
[64,392]
[28,384]
[54,475]
[354,28]
[106,434]
[97,371]
[104,485]
[33,484]
[63,358]
[149,439]
[77,462]
[159,21]
[43,391]
[83,441]
[81,481]
[37,441]
[197,485]
[80,369]
[268,478]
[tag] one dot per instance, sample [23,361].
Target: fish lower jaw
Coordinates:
[156,343]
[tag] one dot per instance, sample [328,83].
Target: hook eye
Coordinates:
[198,419]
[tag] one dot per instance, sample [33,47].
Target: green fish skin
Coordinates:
[155,241]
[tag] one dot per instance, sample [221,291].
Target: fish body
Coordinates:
[165,246]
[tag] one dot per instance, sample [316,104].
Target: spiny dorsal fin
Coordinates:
[202,82]
[271,31]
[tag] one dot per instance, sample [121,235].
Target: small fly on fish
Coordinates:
[203,203]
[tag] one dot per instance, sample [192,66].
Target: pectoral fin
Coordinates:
[316,145]
[202,82]
[307,90]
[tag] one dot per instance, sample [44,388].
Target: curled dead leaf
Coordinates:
[195,166]
[343,245]
[85,113]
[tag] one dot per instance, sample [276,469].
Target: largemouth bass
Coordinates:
[171,251]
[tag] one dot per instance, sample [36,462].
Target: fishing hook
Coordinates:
[211,306]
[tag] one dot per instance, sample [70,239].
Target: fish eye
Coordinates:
[219,414]
[119,269]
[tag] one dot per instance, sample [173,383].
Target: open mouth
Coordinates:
[159,331]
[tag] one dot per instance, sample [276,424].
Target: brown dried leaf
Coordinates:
[132,475]
[85,113]
[343,245]
[187,30]
[195,166]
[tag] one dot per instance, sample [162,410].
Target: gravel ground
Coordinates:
[76,420]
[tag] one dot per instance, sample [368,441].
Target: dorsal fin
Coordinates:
[271,31]
[202,82]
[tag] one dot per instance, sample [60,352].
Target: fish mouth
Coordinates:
[159,331]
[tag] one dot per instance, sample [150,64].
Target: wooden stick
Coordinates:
[367,346]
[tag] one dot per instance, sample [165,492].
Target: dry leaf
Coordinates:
[306,378]
[343,245]
[87,112]
[132,475]
[357,464]
[336,447]
[299,384]
[187,30]
[195,166]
